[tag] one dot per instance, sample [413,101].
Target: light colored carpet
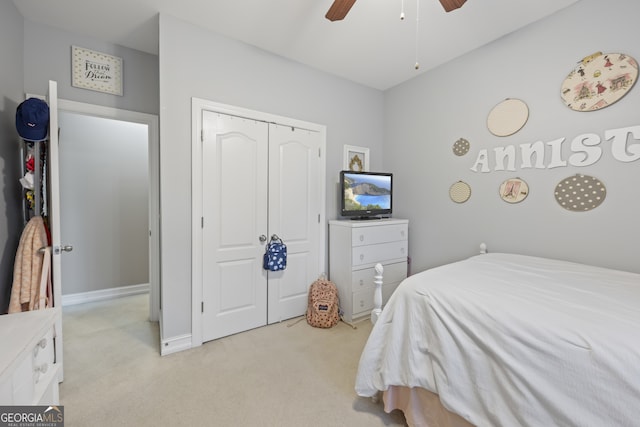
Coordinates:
[277,375]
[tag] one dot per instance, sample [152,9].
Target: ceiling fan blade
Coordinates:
[450,5]
[339,9]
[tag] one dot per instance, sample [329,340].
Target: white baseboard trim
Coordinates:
[175,344]
[104,294]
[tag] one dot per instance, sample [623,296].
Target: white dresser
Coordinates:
[355,247]
[28,371]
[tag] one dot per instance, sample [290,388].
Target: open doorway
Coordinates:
[109,203]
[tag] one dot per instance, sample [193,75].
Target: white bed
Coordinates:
[510,340]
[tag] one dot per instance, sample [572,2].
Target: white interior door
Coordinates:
[234,207]
[54,215]
[294,215]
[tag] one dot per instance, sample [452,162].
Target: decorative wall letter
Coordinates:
[619,146]
[585,153]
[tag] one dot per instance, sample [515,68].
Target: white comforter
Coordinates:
[511,340]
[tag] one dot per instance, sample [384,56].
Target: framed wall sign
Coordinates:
[356,158]
[96,71]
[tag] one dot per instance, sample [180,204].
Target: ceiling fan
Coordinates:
[340,8]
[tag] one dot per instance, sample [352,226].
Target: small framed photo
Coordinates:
[96,71]
[356,158]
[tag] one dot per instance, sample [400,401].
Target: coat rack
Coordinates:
[34,199]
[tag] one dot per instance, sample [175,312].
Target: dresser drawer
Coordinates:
[6,392]
[43,356]
[22,382]
[363,300]
[29,374]
[372,254]
[363,279]
[381,234]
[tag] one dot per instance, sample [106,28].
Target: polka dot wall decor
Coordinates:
[461,147]
[460,192]
[580,193]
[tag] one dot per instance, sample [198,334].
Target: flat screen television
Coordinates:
[366,195]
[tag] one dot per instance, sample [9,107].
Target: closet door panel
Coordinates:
[234,203]
[294,209]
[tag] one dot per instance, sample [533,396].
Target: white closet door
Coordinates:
[294,215]
[58,248]
[234,204]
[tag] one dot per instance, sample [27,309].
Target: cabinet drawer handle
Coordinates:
[361,257]
[361,303]
[41,344]
[40,370]
[361,282]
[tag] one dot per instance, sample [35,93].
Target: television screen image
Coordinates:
[366,194]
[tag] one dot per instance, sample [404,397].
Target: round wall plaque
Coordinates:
[599,80]
[461,147]
[514,190]
[508,117]
[580,193]
[460,192]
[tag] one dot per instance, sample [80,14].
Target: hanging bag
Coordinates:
[275,255]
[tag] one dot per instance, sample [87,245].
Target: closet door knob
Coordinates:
[63,248]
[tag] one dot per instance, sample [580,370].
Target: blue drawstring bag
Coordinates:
[275,255]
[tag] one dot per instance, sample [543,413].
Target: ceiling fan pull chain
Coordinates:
[417,66]
[402,11]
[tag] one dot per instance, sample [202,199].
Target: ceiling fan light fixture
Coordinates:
[339,10]
[450,5]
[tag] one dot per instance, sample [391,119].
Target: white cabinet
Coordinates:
[28,369]
[355,247]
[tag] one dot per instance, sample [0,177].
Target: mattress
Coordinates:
[513,340]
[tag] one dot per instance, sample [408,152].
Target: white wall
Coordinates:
[48,57]
[104,198]
[426,115]
[198,63]
[11,82]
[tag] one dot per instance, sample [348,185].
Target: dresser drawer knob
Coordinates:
[42,369]
[41,344]
[361,282]
[361,257]
[362,237]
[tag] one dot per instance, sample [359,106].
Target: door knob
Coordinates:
[63,248]
[263,238]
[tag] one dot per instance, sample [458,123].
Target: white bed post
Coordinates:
[377,294]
